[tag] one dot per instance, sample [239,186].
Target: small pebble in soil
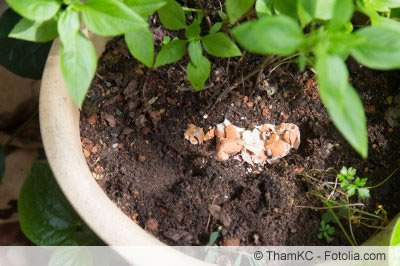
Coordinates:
[142,158]
[92,119]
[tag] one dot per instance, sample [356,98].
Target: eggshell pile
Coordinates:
[265,143]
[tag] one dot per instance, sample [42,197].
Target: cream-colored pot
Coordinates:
[59,124]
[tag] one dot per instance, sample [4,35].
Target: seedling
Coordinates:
[166,40]
[335,196]
[326,231]
[351,185]
[214,237]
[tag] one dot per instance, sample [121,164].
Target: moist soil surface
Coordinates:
[132,129]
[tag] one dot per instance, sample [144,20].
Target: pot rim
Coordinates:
[59,125]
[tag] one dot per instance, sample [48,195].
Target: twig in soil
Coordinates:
[332,207]
[227,68]
[334,188]
[236,112]
[146,106]
[100,77]
[205,15]
[209,215]
[244,55]
[144,86]
[237,83]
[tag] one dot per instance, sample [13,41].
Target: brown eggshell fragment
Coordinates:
[210,134]
[255,145]
[230,132]
[290,133]
[220,131]
[222,156]
[230,146]
[278,148]
[194,134]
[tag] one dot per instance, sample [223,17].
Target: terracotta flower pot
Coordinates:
[59,123]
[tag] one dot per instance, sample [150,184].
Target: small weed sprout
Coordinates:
[340,206]
[350,183]
[326,231]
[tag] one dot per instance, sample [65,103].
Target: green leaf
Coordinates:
[193,31]
[28,30]
[360,182]
[195,52]
[216,27]
[171,53]
[140,43]
[110,17]
[219,44]
[304,17]
[270,35]
[145,7]
[198,74]
[46,217]
[78,66]
[2,161]
[342,13]
[387,22]
[166,40]
[395,13]
[319,9]
[172,16]
[301,62]
[286,7]
[68,26]
[351,190]
[380,49]
[363,193]
[264,8]
[330,230]
[36,10]
[395,239]
[222,15]
[351,173]
[26,59]
[382,5]
[342,102]
[237,8]
[213,238]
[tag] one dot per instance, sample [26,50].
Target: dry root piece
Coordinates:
[265,143]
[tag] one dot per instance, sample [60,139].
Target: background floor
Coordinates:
[18,101]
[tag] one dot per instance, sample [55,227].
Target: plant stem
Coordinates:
[188,9]
[384,181]
[350,225]
[340,225]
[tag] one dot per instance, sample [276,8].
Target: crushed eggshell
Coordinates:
[194,134]
[265,143]
[209,135]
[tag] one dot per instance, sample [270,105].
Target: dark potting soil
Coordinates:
[132,126]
